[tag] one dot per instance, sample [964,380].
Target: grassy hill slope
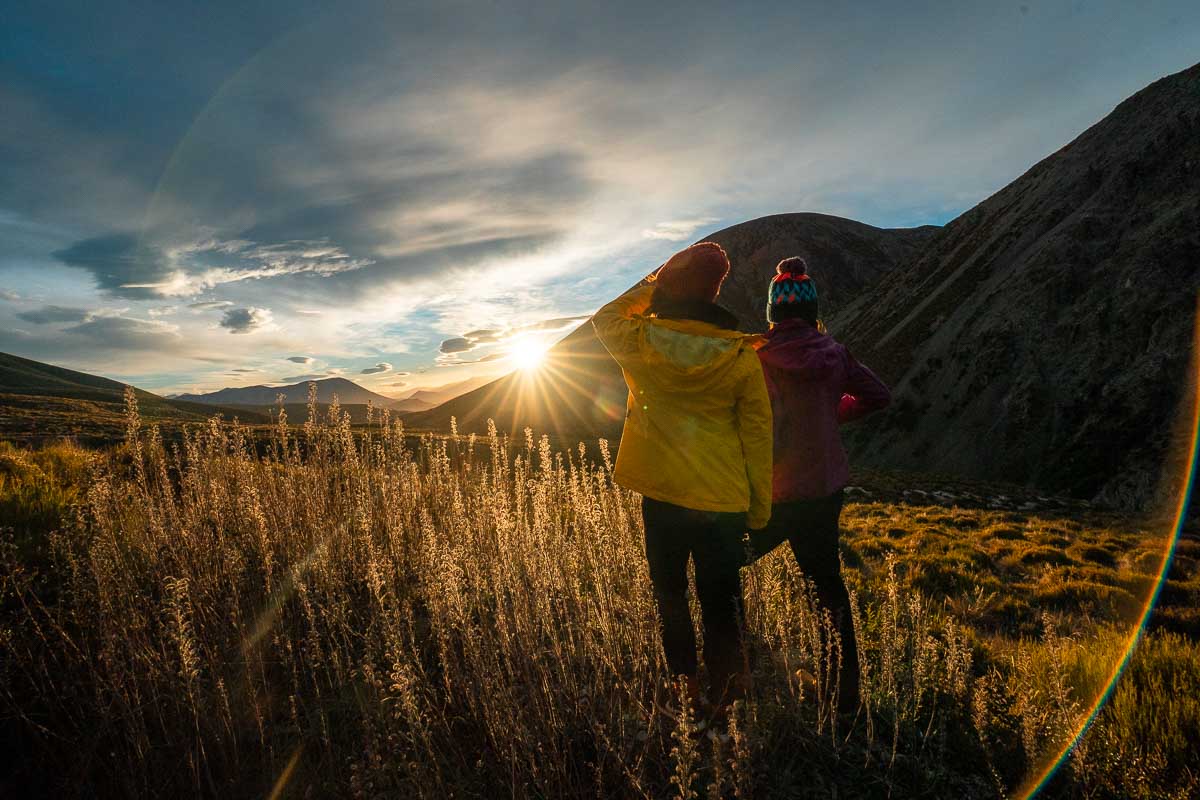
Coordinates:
[42,401]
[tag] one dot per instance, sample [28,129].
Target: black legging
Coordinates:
[714,541]
[811,528]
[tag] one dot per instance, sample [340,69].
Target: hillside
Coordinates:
[1044,335]
[579,390]
[44,401]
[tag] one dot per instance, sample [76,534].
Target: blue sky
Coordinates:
[204,195]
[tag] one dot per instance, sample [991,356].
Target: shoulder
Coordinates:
[749,361]
[843,350]
[756,341]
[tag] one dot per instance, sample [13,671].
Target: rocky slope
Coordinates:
[1043,337]
[579,392]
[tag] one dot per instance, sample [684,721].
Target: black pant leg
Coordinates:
[814,541]
[719,554]
[813,536]
[669,530]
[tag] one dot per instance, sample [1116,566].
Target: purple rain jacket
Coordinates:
[815,385]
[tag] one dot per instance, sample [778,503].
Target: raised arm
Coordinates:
[753,412]
[864,392]
[619,324]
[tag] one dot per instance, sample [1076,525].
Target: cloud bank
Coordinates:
[370,183]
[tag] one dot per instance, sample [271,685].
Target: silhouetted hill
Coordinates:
[40,400]
[441,394]
[411,404]
[579,392]
[1043,336]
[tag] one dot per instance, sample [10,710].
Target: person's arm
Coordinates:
[864,392]
[753,414]
[618,324]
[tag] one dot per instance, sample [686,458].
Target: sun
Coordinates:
[527,353]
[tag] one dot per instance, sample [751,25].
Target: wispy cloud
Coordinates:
[486,336]
[124,264]
[50,314]
[677,230]
[8,295]
[312,376]
[382,366]
[455,361]
[300,359]
[126,333]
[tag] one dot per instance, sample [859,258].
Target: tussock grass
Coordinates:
[39,491]
[356,613]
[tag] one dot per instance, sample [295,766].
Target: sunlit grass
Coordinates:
[344,611]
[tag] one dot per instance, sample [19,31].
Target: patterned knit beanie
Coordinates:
[792,293]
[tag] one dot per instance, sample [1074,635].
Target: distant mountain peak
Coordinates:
[346,391]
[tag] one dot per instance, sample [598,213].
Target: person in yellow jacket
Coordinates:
[697,445]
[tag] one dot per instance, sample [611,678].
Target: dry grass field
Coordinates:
[351,615]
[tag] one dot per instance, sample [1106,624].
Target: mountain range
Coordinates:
[42,401]
[346,391]
[349,395]
[424,399]
[1042,337]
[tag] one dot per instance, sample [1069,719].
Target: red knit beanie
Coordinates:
[694,273]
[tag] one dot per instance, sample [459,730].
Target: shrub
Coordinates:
[39,490]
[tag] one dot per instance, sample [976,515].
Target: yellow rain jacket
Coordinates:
[698,426]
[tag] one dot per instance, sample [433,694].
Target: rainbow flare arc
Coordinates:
[1040,779]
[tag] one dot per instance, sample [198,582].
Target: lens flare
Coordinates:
[1039,780]
[527,353]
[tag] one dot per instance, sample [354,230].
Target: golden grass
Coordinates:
[337,612]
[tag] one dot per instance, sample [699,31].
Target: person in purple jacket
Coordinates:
[814,385]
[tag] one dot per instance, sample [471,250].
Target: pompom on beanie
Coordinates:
[792,292]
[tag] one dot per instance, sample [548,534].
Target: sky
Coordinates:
[200,195]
